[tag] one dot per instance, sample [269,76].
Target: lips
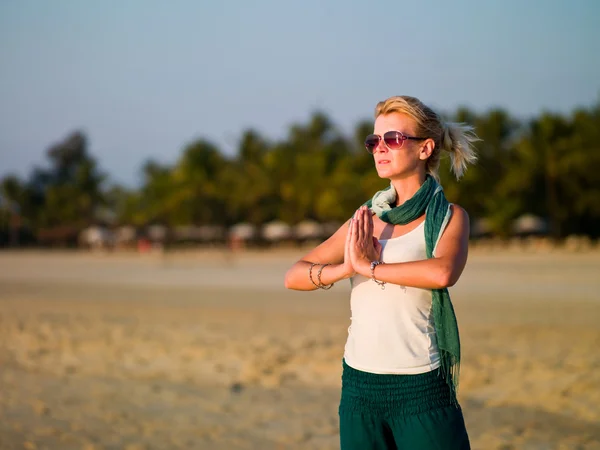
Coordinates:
[383,161]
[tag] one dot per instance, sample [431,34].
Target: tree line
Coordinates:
[547,166]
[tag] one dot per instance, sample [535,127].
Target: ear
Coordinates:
[426,149]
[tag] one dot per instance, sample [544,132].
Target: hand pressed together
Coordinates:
[361,246]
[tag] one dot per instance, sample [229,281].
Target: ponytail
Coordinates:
[457,139]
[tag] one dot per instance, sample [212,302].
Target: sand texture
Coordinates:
[209,351]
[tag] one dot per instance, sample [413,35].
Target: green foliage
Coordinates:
[66,194]
[547,166]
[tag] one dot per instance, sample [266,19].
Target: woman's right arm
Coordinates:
[333,251]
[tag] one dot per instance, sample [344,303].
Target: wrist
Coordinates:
[373,266]
[346,271]
[363,267]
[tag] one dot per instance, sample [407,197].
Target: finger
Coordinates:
[365,225]
[358,225]
[355,243]
[369,221]
[348,231]
[349,235]
[348,253]
[376,244]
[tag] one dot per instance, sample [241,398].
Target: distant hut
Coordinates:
[157,233]
[185,234]
[241,234]
[529,225]
[211,234]
[155,238]
[309,231]
[96,237]
[125,236]
[276,232]
[481,228]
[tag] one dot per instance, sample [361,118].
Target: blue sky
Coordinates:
[142,77]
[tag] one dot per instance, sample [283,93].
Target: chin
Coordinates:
[396,171]
[385,172]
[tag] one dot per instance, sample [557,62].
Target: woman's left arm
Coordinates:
[443,270]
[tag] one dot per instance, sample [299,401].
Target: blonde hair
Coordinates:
[455,138]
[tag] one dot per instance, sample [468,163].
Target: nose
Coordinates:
[381,147]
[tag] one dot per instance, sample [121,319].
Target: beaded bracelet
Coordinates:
[310,275]
[373,265]
[321,285]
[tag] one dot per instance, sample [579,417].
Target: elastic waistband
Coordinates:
[371,393]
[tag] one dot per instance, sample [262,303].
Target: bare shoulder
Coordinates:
[455,238]
[459,214]
[459,221]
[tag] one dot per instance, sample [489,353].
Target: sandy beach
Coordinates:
[205,350]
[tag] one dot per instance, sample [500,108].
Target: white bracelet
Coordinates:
[373,265]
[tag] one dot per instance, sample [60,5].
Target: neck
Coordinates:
[406,187]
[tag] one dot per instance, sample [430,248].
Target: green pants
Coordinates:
[412,412]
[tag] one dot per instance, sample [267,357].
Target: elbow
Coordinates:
[292,279]
[445,279]
[288,281]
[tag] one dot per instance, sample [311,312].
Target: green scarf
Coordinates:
[429,199]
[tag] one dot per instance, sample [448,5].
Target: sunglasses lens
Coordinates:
[371,142]
[393,139]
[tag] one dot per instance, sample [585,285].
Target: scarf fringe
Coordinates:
[450,371]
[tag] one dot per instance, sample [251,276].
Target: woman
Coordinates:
[401,250]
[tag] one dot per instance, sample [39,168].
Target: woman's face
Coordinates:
[405,161]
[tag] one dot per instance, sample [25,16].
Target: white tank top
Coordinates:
[392,330]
